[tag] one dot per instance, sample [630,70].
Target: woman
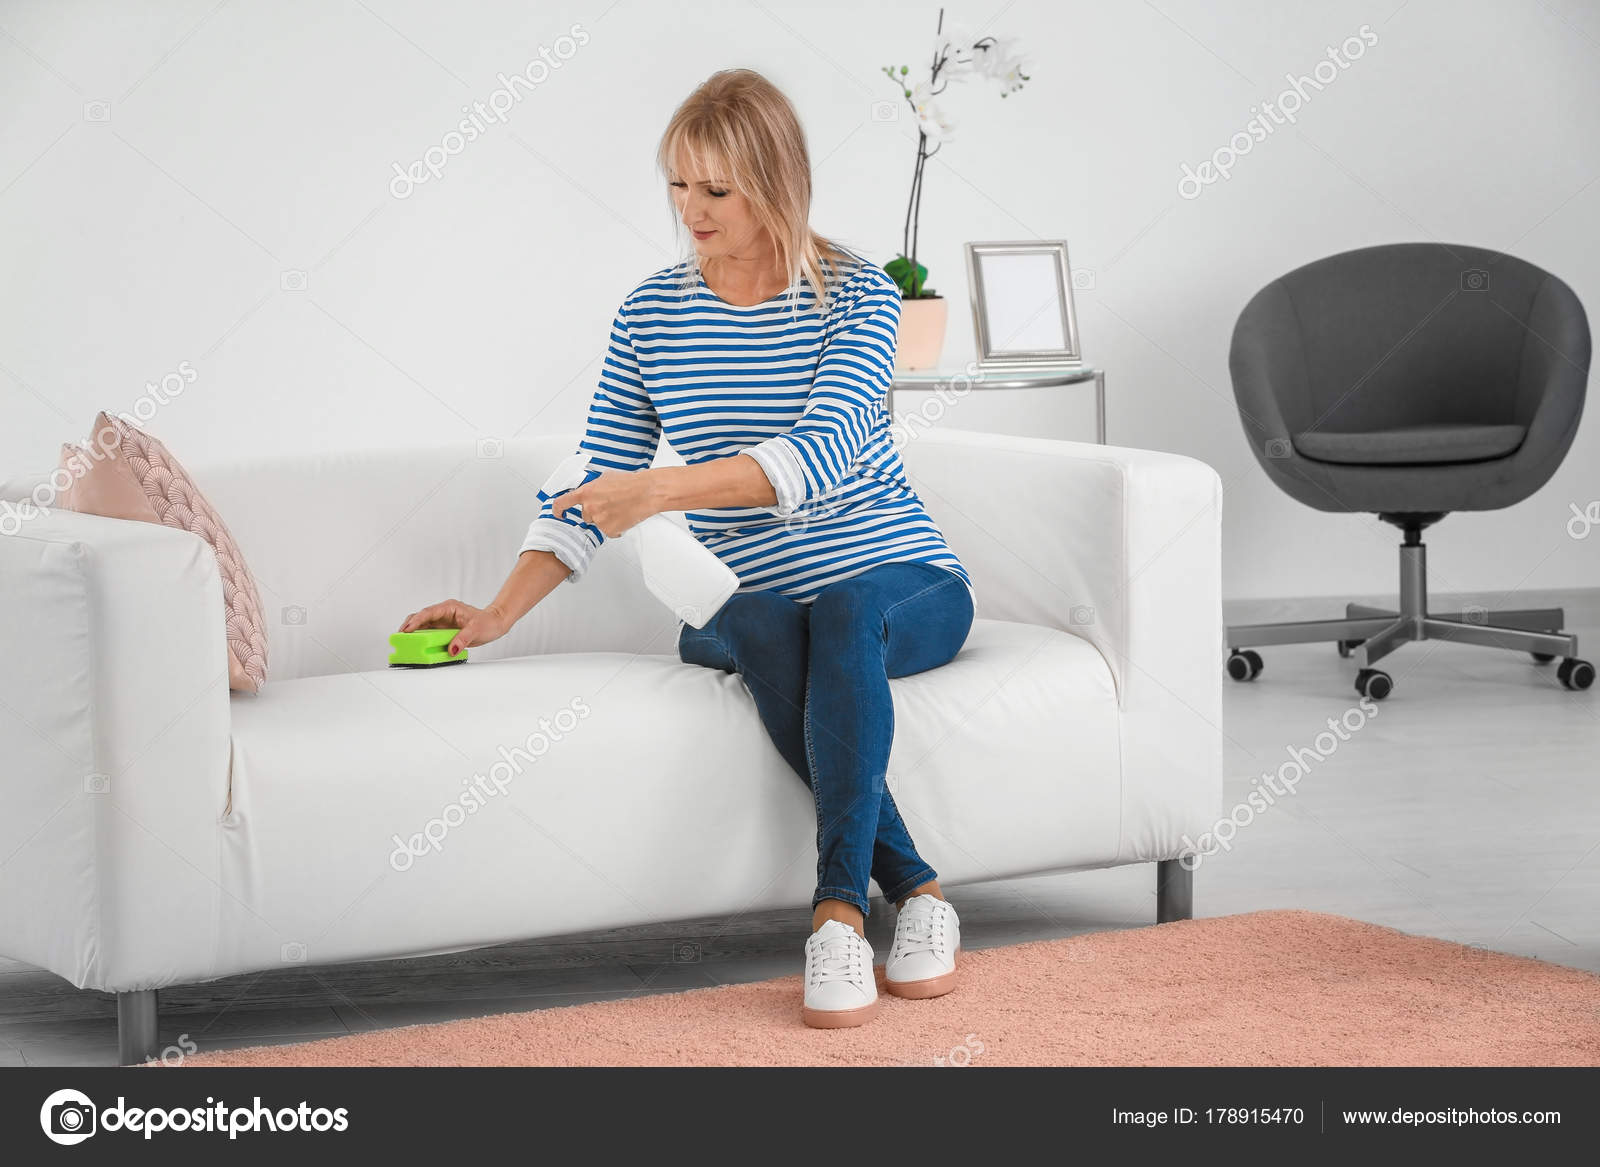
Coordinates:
[765,358]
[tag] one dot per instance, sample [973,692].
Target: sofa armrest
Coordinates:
[1121,547]
[115,721]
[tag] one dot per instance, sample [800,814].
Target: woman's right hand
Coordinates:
[477,625]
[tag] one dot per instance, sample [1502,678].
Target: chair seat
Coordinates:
[1412,444]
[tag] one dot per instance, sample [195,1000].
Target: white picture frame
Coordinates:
[1022,309]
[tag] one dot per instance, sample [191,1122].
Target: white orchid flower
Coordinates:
[1001,59]
[931,120]
[955,45]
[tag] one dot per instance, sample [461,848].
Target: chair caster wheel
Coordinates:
[1575,674]
[1542,658]
[1374,683]
[1346,647]
[1244,666]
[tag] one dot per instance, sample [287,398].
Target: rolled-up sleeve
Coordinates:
[847,396]
[620,433]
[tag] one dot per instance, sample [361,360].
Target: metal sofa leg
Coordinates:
[136,1027]
[1174,892]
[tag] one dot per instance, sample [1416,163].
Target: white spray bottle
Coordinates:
[679,572]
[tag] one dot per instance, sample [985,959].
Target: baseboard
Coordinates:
[1582,605]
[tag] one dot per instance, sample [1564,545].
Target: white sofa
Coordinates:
[156,829]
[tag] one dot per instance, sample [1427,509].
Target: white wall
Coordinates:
[248,139]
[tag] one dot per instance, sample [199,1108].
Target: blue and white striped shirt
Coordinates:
[803,395]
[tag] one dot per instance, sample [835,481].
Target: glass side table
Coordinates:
[974,377]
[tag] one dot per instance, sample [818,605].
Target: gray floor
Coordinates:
[1465,809]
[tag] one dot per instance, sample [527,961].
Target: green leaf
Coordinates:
[899,270]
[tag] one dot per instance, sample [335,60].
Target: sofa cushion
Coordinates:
[127,473]
[405,811]
[1412,444]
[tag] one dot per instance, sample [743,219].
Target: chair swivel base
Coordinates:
[1370,634]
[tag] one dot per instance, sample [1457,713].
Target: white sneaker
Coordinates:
[922,960]
[840,990]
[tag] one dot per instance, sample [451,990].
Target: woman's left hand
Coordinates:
[615,501]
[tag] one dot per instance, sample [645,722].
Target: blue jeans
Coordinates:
[819,674]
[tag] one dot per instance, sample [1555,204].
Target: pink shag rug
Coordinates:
[1281,988]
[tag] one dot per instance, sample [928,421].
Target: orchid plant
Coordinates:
[957,55]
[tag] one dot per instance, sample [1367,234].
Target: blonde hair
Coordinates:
[740,123]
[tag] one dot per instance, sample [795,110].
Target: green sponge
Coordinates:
[425,649]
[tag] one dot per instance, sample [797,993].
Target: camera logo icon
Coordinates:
[97,783]
[293,952]
[68,1117]
[97,111]
[292,281]
[294,614]
[1279,448]
[686,952]
[1080,615]
[1475,279]
[491,448]
[886,111]
[1083,279]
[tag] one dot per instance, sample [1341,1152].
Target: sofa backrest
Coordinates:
[344,545]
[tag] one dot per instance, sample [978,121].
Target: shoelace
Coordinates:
[920,928]
[837,959]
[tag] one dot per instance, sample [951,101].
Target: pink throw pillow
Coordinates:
[127,473]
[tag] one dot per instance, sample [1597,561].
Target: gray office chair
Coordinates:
[1409,381]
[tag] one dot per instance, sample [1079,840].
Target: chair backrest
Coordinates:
[1404,334]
